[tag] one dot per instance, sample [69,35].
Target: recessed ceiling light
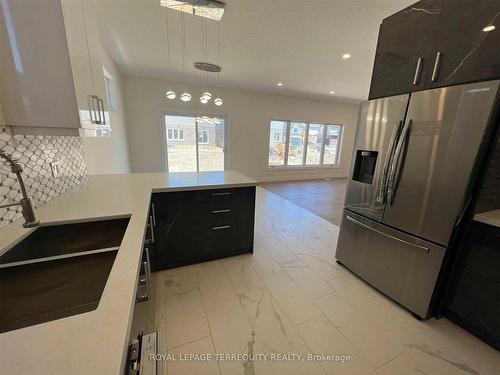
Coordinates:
[279,84]
[332,92]
[346,56]
[489,28]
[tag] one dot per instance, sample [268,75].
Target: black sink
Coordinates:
[43,291]
[64,239]
[57,272]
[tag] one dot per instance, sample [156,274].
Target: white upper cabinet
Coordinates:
[95,52]
[86,61]
[36,85]
[51,73]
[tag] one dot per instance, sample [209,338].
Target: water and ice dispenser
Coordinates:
[364,166]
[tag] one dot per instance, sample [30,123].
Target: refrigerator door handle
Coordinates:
[382,195]
[366,226]
[394,170]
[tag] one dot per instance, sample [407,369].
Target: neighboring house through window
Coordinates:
[295,143]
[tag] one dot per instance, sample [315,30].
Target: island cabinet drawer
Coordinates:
[232,195]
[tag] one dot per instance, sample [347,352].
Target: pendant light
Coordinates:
[206,96]
[185,96]
[218,100]
[170,94]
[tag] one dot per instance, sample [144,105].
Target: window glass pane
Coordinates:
[314,144]
[181,152]
[211,145]
[333,133]
[277,139]
[296,143]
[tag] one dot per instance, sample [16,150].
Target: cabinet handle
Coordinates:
[437,65]
[225,193]
[101,105]
[151,230]
[92,113]
[220,211]
[221,227]
[154,213]
[97,119]
[363,225]
[418,71]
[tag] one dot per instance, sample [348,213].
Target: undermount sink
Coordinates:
[57,271]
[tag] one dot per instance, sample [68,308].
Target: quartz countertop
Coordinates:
[490,217]
[95,342]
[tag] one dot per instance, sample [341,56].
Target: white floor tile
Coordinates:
[312,285]
[195,367]
[323,338]
[303,367]
[233,334]
[290,297]
[274,330]
[216,290]
[184,311]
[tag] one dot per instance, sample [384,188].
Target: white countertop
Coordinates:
[95,342]
[490,217]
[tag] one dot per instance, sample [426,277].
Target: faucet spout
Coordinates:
[30,220]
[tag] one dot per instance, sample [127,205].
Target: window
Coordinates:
[195,143]
[203,137]
[175,134]
[293,143]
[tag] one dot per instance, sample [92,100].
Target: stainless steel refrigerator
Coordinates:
[410,179]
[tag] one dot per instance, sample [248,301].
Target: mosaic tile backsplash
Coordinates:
[35,153]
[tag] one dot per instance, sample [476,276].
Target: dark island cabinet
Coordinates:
[466,52]
[197,226]
[437,43]
[404,50]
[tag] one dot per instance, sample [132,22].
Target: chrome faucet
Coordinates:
[30,220]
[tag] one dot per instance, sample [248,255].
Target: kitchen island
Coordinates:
[96,342]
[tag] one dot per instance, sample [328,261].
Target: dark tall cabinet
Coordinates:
[404,49]
[437,43]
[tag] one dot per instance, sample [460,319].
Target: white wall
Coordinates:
[109,154]
[248,115]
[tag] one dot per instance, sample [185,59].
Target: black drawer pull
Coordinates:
[225,193]
[221,227]
[220,211]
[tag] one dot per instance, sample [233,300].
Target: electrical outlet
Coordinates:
[56,168]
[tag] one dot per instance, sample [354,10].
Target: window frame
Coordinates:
[179,132]
[204,132]
[304,164]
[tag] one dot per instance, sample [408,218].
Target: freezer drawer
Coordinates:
[403,267]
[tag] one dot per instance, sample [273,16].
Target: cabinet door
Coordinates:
[36,83]
[95,53]
[474,304]
[467,53]
[404,49]
[80,60]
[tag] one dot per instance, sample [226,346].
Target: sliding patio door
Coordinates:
[195,143]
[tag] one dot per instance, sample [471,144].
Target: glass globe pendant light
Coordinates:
[186,97]
[218,101]
[170,94]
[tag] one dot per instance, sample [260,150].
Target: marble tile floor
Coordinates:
[291,297]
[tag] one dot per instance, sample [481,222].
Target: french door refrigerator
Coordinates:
[410,179]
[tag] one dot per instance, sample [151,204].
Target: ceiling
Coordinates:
[299,43]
